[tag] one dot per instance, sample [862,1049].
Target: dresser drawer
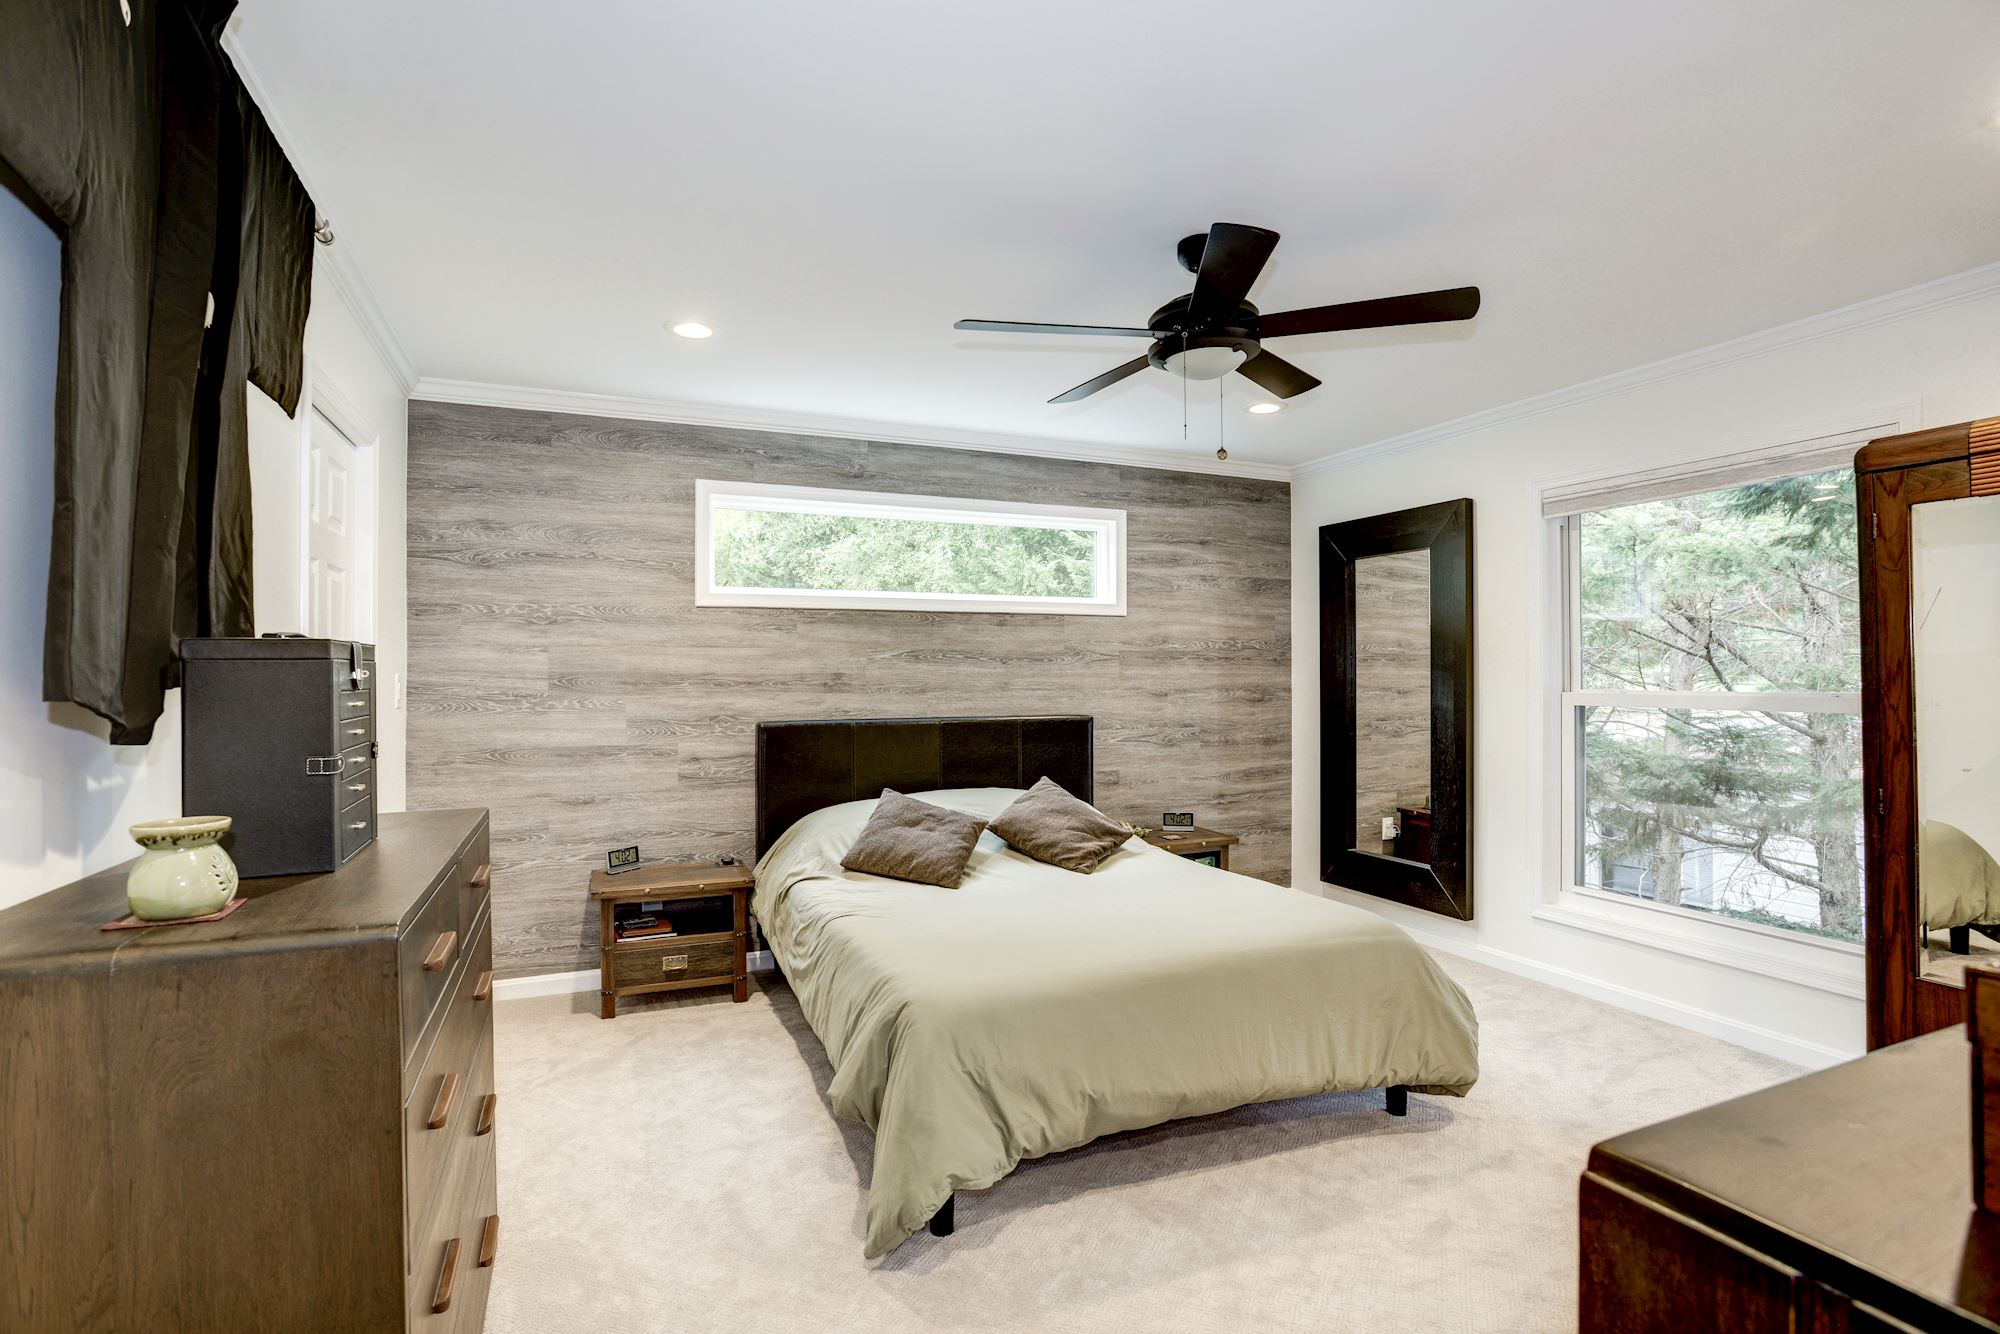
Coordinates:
[456,1255]
[355,704]
[673,961]
[452,1088]
[473,877]
[424,958]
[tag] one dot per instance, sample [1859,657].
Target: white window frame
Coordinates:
[1818,962]
[1107,526]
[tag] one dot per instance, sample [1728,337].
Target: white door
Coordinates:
[333,546]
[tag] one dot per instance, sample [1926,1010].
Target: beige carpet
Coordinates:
[677,1169]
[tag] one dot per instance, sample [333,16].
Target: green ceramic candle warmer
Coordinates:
[183,871]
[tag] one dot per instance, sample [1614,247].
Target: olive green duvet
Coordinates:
[1033,1009]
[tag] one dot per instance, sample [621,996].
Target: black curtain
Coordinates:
[129,131]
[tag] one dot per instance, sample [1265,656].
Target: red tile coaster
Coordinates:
[128,922]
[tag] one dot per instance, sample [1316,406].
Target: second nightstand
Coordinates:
[1210,847]
[708,908]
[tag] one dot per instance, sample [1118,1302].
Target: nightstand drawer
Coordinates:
[673,961]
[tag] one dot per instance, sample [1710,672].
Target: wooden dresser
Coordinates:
[1836,1203]
[279,1121]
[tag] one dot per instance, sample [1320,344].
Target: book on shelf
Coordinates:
[648,932]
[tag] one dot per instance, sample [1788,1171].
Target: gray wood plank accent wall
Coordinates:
[561,675]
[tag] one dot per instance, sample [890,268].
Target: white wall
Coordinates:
[66,794]
[1946,359]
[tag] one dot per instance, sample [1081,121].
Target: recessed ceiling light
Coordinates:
[692,329]
[1265,409]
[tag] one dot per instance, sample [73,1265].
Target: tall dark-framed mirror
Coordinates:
[1395,668]
[1929,504]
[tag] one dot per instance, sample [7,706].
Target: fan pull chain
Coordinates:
[1220,451]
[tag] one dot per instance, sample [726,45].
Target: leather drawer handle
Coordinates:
[487,1106]
[441,951]
[441,1109]
[481,876]
[441,1299]
[489,1241]
[484,986]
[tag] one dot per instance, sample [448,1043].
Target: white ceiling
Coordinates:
[532,191]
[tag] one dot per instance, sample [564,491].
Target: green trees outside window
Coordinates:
[1749,807]
[778,549]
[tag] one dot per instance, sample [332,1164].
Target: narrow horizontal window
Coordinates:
[760,545]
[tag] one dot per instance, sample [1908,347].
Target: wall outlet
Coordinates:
[1388,828]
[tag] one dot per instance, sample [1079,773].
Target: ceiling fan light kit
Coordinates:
[1214,330]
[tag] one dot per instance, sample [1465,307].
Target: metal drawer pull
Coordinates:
[673,963]
[357,731]
[441,1300]
[481,876]
[489,1241]
[441,1109]
[441,950]
[487,1106]
[357,787]
[359,824]
[357,703]
[484,986]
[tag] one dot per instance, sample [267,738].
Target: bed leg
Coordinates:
[1397,1097]
[944,1221]
[1961,940]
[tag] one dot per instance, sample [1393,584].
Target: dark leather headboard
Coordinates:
[804,766]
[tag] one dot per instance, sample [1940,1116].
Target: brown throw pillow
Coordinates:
[907,839]
[1051,826]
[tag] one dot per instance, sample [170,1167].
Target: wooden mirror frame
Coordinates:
[1891,476]
[1444,885]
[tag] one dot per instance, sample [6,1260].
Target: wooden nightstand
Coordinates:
[709,909]
[1210,847]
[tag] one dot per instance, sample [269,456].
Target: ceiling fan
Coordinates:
[1212,330]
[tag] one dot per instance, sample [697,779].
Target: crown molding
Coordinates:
[843,428]
[1950,291]
[337,260]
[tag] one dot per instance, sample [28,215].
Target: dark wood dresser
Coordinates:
[1840,1201]
[279,1121]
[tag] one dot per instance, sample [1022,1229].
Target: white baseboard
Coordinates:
[1811,1055]
[545,984]
[584,979]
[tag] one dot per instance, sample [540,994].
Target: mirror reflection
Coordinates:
[1955,642]
[1392,705]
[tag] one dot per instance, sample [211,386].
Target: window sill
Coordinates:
[1825,965]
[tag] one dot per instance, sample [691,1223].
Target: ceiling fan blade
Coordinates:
[1230,262]
[1017,326]
[1456,303]
[1104,381]
[1277,375]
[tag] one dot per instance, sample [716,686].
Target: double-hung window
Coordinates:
[761,545]
[1710,705]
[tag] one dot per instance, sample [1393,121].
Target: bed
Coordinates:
[1033,1009]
